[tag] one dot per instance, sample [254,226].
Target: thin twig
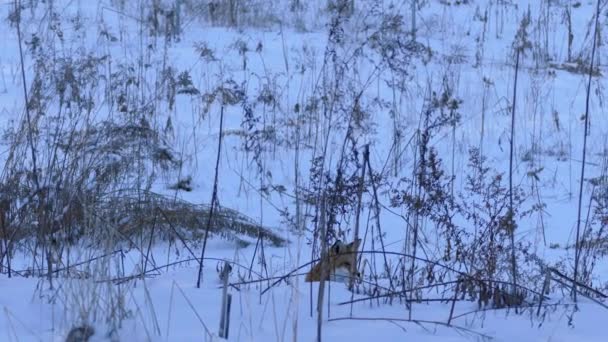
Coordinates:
[415,321]
[324,267]
[27,107]
[507,308]
[377,214]
[580,190]
[511,150]
[213,197]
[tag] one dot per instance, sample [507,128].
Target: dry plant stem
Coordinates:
[7,245]
[289,274]
[324,267]
[176,232]
[261,280]
[213,197]
[259,242]
[539,202]
[150,304]
[27,108]
[544,290]
[328,111]
[453,304]
[400,293]
[585,271]
[511,215]
[390,294]
[412,231]
[483,116]
[299,224]
[168,329]
[414,5]
[207,331]
[584,152]
[415,321]
[568,14]
[263,267]
[328,301]
[508,308]
[30,137]
[574,281]
[357,217]
[581,293]
[255,253]
[150,244]
[453,155]
[121,280]
[67,268]
[377,214]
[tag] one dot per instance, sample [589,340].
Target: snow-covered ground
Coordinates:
[469,53]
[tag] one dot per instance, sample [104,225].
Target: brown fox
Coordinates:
[339,262]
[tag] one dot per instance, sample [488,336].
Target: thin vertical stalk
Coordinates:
[377,212]
[413,232]
[296,290]
[580,189]
[41,216]
[357,220]
[511,148]
[414,5]
[324,267]
[30,137]
[213,197]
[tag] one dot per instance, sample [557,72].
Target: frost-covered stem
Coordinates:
[580,189]
[213,197]
[511,148]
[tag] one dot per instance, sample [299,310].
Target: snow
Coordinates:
[171,303]
[166,305]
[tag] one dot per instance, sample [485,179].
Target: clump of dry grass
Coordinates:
[135,212]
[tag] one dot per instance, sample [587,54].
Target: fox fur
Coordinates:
[339,262]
